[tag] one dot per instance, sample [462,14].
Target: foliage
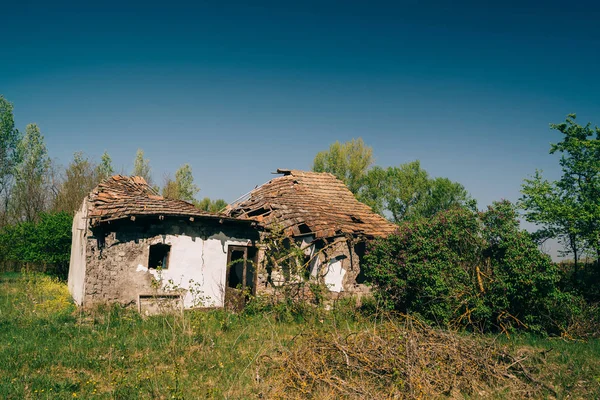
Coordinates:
[80,178]
[293,290]
[51,351]
[105,169]
[46,243]
[183,187]
[408,193]
[141,167]
[214,206]
[185,183]
[569,208]
[347,161]
[581,313]
[30,195]
[462,268]
[9,156]
[36,296]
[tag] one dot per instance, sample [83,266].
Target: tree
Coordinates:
[399,193]
[170,189]
[407,192]
[467,268]
[105,169]
[45,243]
[348,161]
[183,187]
[80,178]
[209,205]
[569,208]
[141,167]
[185,183]
[31,188]
[556,212]
[9,140]
[442,194]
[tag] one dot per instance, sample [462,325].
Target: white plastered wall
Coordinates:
[198,266]
[76,280]
[334,275]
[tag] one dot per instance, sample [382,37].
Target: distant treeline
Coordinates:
[38,197]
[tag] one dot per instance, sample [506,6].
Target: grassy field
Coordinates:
[49,350]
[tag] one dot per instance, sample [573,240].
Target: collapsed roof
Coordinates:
[310,203]
[120,197]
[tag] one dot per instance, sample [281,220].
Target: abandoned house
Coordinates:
[323,217]
[132,246]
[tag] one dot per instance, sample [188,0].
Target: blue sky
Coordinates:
[239,89]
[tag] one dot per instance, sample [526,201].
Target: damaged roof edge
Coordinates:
[122,197]
[306,201]
[220,218]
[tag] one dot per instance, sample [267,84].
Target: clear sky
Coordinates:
[239,89]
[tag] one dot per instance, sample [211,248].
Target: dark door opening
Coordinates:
[241,275]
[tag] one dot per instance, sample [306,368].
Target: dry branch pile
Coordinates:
[404,360]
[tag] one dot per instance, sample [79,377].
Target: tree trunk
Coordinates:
[573,241]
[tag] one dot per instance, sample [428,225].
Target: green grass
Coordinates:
[50,350]
[571,367]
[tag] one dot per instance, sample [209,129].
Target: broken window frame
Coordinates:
[247,263]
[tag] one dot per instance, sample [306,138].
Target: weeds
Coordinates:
[51,350]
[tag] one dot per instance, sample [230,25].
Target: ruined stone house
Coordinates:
[320,213]
[134,247]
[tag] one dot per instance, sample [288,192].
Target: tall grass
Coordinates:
[51,350]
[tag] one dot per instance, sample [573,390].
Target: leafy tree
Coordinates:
[182,188]
[209,205]
[443,194]
[45,243]
[569,208]
[185,183]
[556,211]
[348,161]
[105,169]
[407,192]
[399,193]
[31,191]
[80,178]
[469,269]
[141,167]
[9,139]
[170,190]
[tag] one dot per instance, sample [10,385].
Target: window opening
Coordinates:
[159,256]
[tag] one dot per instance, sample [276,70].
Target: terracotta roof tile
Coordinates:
[319,202]
[124,197]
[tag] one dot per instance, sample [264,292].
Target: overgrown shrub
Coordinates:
[43,246]
[585,282]
[468,269]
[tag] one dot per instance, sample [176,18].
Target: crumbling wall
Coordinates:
[333,262]
[117,262]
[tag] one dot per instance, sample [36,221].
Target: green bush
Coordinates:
[45,245]
[467,269]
